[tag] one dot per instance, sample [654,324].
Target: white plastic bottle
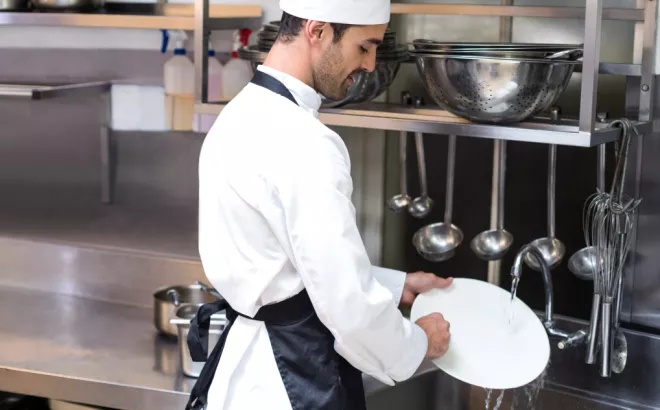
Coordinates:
[237,73]
[214,77]
[179,78]
[203,123]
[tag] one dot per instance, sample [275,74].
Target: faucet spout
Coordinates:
[516,272]
[568,339]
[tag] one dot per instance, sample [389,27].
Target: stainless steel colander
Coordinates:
[493,90]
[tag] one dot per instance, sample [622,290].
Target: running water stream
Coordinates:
[526,395]
[514,289]
[523,398]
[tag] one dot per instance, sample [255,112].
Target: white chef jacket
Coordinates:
[276,217]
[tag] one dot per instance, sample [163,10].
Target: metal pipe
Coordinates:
[647,90]
[201,50]
[590,64]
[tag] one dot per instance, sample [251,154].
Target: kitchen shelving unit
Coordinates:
[142,16]
[583,131]
[394,117]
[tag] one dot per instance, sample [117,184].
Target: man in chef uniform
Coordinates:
[307,312]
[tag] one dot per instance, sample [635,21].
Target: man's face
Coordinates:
[339,63]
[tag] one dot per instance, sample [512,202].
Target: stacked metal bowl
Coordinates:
[495,83]
[368,85]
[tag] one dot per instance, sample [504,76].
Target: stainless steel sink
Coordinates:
[569,383]
[437,391]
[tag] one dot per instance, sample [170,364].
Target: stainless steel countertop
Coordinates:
[93,352]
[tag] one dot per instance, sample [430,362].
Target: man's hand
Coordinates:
[420,282]
[437,332]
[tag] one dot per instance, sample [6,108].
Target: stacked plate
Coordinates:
[267,36]
[495,83]
[368,86]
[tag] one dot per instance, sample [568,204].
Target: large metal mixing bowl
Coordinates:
[493,90]
[424,44]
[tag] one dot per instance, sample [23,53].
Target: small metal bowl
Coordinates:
[368,85]
[493,90]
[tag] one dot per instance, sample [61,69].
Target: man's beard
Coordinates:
[327,75]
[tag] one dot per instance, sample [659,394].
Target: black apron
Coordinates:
[315,376]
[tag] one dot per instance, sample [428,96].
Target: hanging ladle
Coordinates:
[421,206]
[438,242]
[495,243]
[583,262]
[400,202]
[550,247]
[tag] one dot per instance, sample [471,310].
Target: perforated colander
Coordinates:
[493,90]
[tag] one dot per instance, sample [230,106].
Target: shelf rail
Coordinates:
[583,134]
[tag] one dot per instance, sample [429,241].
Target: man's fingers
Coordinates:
[442,282]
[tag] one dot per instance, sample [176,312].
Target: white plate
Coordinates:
[488,347]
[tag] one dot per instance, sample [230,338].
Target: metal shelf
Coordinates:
[46,91]
[141,16]
[629,14]
[435,121]
[582,132]
[629,70]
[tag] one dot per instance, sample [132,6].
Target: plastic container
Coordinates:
[215,70]
[179,79]
[237,73]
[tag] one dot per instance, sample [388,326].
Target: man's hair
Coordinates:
[290,26]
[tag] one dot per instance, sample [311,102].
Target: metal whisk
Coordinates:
[608,227]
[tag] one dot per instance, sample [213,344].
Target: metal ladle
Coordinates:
[551,248]
[421,206]
[400,202]
[495,243]
[583,262]
[438,242]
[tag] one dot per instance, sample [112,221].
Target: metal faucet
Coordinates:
[567,339]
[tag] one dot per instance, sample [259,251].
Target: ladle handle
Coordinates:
[451,165]
[555,113]
[552,182]
[406,99]
[501,185]
[421,158]
[419,143]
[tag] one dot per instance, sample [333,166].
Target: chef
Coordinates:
[307,312]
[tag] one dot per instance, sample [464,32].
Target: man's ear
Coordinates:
[315,31]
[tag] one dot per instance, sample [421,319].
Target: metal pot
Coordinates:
[53,5]
[168,300]
[183,315]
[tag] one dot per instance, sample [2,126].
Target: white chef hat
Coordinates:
[355,12]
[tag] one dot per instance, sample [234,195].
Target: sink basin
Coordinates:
[436,390]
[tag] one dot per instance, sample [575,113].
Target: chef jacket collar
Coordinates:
[307,98]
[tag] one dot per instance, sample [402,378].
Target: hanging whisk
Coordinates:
[608,224]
